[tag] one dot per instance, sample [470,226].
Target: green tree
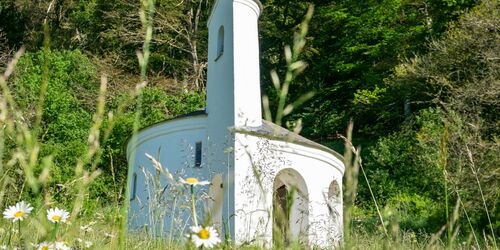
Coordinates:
[453,90]
[67,109]
[352,47]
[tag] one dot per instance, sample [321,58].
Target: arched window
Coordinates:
[334,198]
[134,186]
[335,210]
[220,43]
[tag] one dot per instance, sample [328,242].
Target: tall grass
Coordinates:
[146,15]
[25,156]
[106,228]
[294,67]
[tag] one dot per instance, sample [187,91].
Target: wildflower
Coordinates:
[88,244]
[109,235]
[86,228]
[204,236]
[18,212]
[44,246]
[193,182]
[60,245]
[57,215]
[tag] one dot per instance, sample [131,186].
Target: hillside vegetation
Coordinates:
[419,79]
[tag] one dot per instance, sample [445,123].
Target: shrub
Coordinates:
[66,114]
[69,104]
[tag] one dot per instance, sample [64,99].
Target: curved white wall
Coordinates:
[173,143]
[248,184]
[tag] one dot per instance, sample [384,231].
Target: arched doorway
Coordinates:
[290,207]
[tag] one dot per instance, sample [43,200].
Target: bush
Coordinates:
[67,110]
[67,115]
[416,212]
[453,91]
[404,162]
[406,171]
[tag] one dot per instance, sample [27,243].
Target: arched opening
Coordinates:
[334,203]
[216,194]
[281,219]
[334,197]
[220,43]
[290,207]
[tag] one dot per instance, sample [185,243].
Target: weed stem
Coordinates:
[194,206]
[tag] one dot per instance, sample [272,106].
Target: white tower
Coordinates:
[250,162]
[233,87]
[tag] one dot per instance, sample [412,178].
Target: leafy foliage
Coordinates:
[72,90]
[455,87]
[404,71]
[353,47]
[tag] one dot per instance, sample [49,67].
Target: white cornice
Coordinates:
[256,5]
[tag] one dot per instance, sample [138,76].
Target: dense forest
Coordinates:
[419,79]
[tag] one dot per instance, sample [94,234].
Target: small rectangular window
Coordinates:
[134,187]
[197,155]
[220,43]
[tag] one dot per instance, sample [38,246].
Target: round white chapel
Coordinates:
[251,163]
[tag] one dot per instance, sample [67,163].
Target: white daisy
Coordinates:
[88,244]
[109,235]
[204,236]
[60,245]
[193,181]
[45,246]
[17,212]
[57,215]
[87,228]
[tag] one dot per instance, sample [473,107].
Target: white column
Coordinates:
[247,97]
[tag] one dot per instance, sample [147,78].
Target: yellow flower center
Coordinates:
[45,248]
[56,218]
[19,214]
[192,181]
[204,234]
